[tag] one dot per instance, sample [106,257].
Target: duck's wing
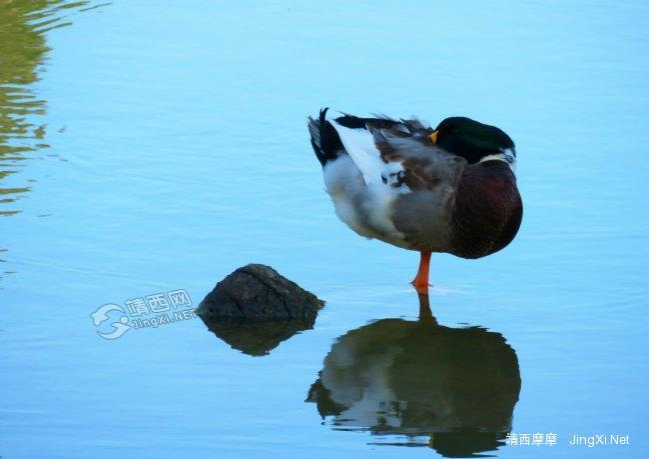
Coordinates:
[399,155]
[428,181]
[425,165]
[358,138]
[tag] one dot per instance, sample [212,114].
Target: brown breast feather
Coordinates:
[488,210]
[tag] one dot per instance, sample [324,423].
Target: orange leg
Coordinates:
[421,279]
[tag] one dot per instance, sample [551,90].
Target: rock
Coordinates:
[258,292]
[255,308]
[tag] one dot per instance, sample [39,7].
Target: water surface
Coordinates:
[153,147]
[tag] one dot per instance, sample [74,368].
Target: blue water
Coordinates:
[148,147]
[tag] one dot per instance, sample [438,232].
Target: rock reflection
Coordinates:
[455,386]
[256,338]
[23,49]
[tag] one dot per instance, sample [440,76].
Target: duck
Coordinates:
[449,189]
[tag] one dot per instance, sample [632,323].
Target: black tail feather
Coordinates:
[324,138]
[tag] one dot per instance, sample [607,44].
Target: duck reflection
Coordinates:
[457,386]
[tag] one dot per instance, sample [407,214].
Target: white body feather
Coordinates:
[359,185]
[359,144]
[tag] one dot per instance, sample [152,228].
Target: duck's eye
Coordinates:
[455,130]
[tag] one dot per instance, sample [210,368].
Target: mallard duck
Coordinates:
[450,189]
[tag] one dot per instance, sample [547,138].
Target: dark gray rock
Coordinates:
[258,292]
[255,308]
